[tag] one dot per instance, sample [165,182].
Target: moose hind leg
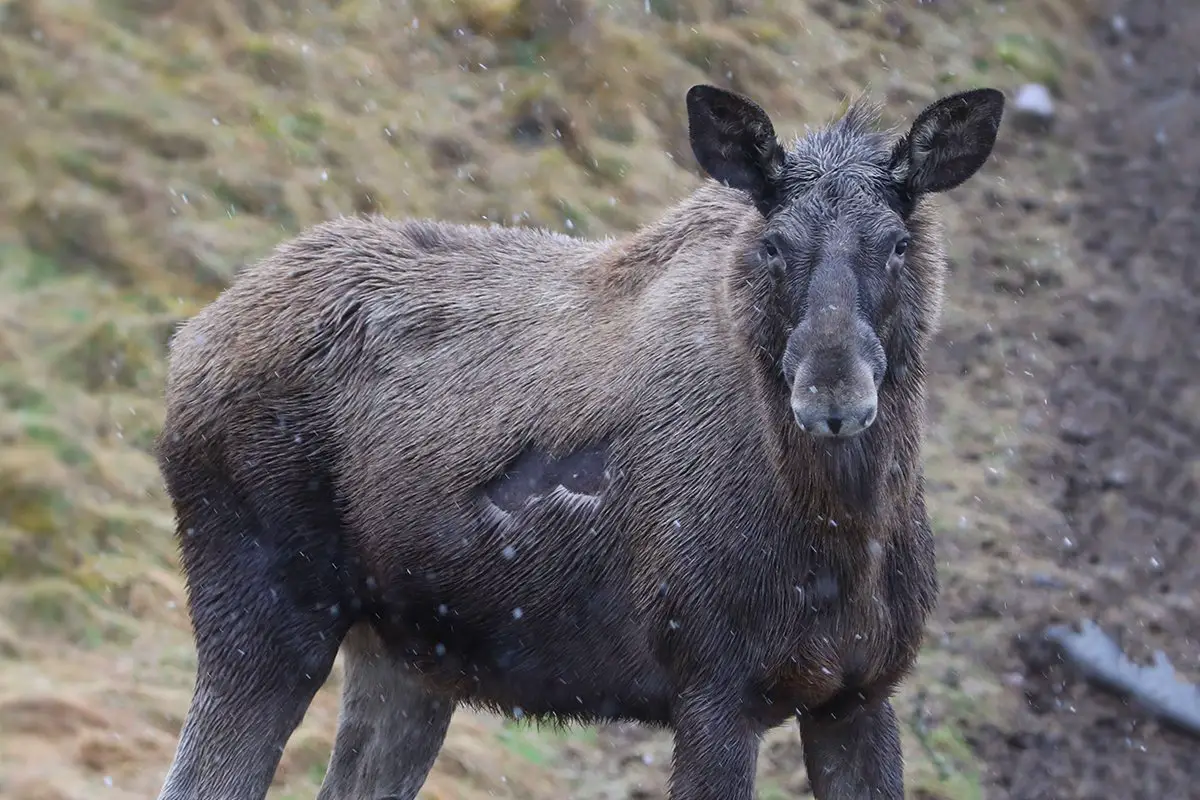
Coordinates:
[264,645]
[390,728]
[236,729]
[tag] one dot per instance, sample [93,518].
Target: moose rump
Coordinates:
[586,480]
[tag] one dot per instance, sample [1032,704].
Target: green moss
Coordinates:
[141,436]
[541,744]
[178,660]
[307,125]
[111,354]
[955,774]
[669,10]
[1034,58]
[120,527]
[148,126]
[87,168]
[73,229]
[257,196]
[491,18]
[530,53]
[728,58]
[17,393]
[27,269]
[769,790]
[766,32]
[612,168]
[66,447]
[296,135]
[574,219]
[58,608]
[38,510]
[269,63]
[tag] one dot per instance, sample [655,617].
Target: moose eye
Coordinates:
[901,247]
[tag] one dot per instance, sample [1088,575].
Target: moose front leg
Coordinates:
[716,750]
[854,755]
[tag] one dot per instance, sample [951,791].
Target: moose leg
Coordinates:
[390,728]
[253,687]
[856,755]
[716,751]
[265,602]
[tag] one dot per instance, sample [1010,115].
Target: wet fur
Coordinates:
[549,477]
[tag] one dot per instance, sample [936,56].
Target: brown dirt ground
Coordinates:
[1122,454]
[1063,450]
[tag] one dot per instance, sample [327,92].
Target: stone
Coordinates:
[1033,108]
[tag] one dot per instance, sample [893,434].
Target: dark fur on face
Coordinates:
[673,477]
[843,224]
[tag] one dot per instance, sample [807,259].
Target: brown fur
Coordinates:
[551,477]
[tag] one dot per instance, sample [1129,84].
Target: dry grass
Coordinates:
[152,146]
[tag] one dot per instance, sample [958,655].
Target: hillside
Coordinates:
[151,147]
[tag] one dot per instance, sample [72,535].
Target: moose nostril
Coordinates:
[835,425]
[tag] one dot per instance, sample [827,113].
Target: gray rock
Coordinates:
[1156,687]
[1033,108]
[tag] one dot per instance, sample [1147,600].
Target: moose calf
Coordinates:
[672,477]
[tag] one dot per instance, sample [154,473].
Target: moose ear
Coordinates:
[948,142]
[734,142]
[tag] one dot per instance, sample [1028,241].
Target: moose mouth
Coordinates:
[834,425]
[821,413]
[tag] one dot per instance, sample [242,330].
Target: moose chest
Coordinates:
[849,632]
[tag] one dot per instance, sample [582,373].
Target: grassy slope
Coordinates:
[152,146]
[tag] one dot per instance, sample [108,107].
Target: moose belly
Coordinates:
[534,660]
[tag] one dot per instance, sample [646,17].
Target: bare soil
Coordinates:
[1121,459]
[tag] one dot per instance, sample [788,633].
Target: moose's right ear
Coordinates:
[734,142]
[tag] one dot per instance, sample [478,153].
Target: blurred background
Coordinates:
[149,148]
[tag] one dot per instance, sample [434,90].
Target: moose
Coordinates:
[672,477]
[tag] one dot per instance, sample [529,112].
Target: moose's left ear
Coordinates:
[948,142]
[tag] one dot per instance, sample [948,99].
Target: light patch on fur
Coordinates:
[493,515]
[575,501]
[875,560]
